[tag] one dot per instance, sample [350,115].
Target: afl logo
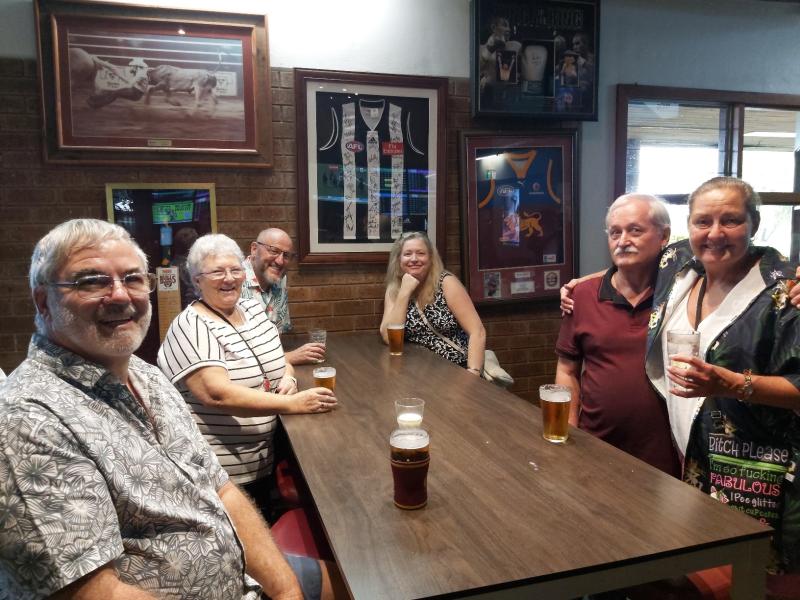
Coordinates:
[506,190]
[354,146]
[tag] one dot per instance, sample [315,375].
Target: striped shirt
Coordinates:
[242,444]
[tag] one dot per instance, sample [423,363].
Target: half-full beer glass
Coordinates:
[395,333]
[554,401]
[410,457]
[325,377]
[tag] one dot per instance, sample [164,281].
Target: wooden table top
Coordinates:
[504,505]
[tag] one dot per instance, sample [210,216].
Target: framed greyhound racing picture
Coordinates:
[131,84]
[370,163]
[519,213]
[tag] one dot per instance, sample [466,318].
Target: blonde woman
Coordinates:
[433,304]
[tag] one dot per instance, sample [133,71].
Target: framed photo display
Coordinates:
[142,85]
[535,58]
[519,213]
[370,163]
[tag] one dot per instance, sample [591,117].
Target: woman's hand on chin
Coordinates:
[409,283]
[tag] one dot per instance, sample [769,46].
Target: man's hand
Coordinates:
[794,291]
[312,352]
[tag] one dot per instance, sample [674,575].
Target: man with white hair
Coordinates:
[107,488]
[601,344]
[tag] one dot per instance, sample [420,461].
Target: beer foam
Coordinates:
[409,439]
[324,372]
[409,419]
[556,397]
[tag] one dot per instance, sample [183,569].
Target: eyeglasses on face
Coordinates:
[99,285]
[219,274]
[274,251]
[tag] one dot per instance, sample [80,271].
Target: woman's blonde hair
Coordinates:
[394,274]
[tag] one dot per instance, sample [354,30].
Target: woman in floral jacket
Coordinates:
[735,412]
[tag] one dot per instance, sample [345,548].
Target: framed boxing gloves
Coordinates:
[535,58]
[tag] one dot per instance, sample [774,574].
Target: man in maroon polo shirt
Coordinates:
[601,344]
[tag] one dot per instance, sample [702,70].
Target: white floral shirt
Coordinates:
[88,475]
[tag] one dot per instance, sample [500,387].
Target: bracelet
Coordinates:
[473,370]
[294,380]
[746,391]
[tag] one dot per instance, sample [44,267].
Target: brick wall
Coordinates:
[34,197]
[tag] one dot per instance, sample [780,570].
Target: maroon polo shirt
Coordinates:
[618,404]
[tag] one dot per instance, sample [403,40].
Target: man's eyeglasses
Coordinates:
[274,251]
[97,286]
[219,274]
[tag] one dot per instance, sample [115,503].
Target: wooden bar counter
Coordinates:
[509,515]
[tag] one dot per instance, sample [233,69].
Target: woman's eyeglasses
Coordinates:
[219,274]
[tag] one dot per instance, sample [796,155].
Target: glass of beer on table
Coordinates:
[410,457]
[554,401]
[409,412]
[395,333]
[325,377]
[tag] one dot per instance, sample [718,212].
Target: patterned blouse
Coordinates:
[90,475]
[444,321]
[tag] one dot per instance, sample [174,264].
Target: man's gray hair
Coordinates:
[211,244]
[658,210]
[52,252]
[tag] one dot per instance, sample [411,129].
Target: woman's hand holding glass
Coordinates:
[701,378]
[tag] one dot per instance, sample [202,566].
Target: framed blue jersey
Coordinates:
[519,213]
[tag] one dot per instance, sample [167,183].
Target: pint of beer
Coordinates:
[325,377]
[410,457]
[554,402]
[395,333]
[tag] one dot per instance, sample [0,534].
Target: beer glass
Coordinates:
[395,333]
[409,412]
[554,402]
[325,377]
[318,336]
[410,457]
[686,343]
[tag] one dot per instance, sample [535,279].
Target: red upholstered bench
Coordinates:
[298,531]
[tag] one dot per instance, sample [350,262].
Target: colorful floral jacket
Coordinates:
[746,454]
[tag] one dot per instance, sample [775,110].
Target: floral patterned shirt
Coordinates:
[275,299]
[89,475]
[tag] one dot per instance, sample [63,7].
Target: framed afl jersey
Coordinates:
[370,152]
[519,214]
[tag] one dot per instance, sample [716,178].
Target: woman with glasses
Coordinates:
[432,303]
[225,357]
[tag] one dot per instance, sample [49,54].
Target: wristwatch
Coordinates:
[746,391]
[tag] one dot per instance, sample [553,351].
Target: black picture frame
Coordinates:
[341,224]
[126,84]
[535,58]
[519,214]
